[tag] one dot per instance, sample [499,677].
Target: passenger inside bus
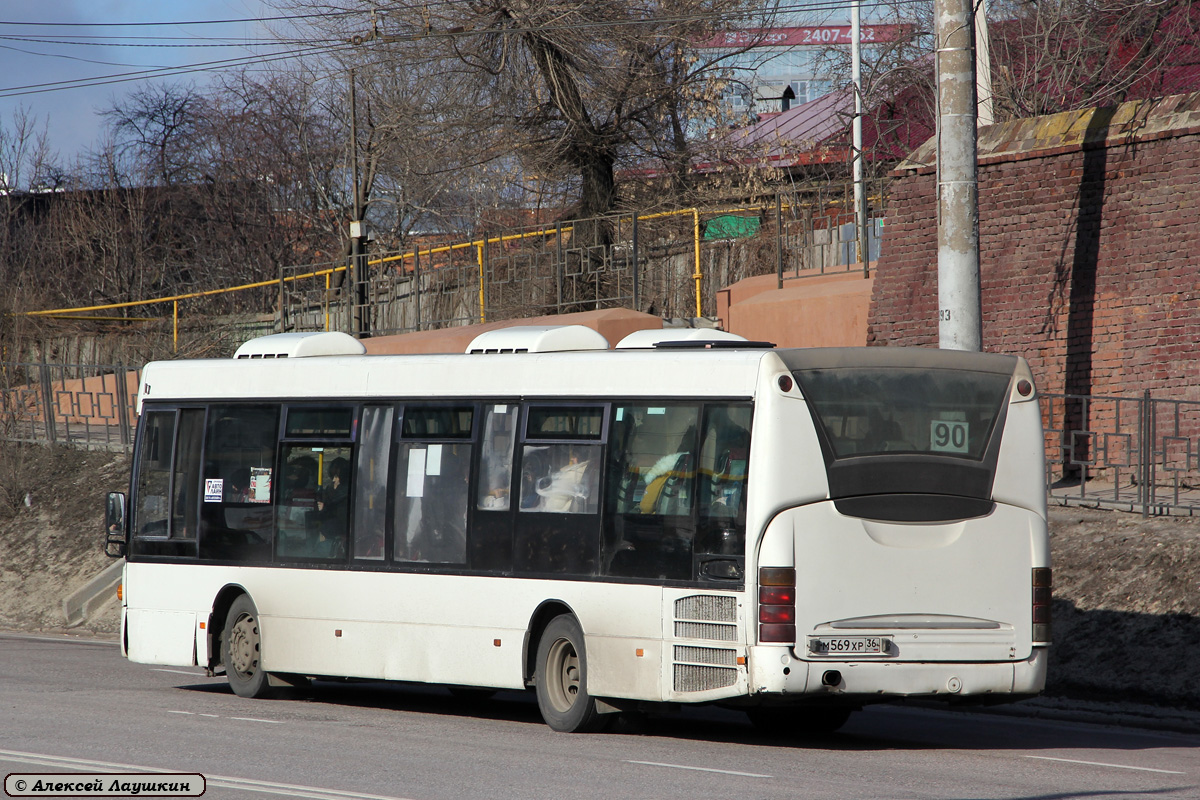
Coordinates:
[559,479]
[333,509]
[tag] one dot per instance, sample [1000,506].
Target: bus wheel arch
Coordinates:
[547,611]
[216,623]
[560,678]
[241,650]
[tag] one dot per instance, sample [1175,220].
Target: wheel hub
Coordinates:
[563,670]
[243,646]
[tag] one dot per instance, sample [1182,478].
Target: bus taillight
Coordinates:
[776,604]
[1042,582]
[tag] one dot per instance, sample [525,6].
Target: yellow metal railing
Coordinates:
[479,244]
[70,313]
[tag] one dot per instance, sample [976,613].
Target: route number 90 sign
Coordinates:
[948,436]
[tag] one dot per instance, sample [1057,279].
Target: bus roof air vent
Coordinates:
[538,339]
[685,338]
[301,345]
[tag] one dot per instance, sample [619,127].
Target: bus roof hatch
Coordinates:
[301,345]
[697,337]
[538,339]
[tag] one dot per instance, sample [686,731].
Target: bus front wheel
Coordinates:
[241,650]
[561,679]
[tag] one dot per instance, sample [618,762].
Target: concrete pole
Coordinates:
[860,203]
[960,325]
[353,312]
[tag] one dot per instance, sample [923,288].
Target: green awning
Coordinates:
[728,226]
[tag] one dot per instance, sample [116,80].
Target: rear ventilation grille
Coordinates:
[693,678]
[706,608]
[706,616]
[712,618]
[700,630]
[715,656]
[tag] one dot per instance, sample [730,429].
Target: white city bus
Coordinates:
[792,532]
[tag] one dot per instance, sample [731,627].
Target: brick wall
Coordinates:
[1089,249]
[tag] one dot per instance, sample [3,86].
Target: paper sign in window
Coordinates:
[433,460]
[260,485]
[416,473]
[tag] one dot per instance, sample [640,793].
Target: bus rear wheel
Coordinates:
[561,679]
[241,650]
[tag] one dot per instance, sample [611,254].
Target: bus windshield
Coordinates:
[869,411]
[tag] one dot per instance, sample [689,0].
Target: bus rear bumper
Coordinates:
[775,671]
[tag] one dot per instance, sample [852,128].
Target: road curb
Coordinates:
[81,603]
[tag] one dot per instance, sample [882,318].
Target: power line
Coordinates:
[162,72]
[329,46]
[176,23]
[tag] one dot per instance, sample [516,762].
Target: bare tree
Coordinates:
[1059,55]
[566,93]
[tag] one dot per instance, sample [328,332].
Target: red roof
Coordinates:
[805,127]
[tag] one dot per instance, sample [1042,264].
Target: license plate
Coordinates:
[848,646]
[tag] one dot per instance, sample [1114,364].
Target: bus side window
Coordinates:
[370,484]
[433,468]
[724,458]
[168,483]
[431,502]
[187,473]
[558,523]
[236,515]
[496,457]
[649,527]
[153,486]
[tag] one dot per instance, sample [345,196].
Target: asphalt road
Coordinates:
[71,706]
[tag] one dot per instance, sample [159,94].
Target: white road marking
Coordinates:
[217,716]
[224,781]
[63,639]
[1102,764]
[701,769]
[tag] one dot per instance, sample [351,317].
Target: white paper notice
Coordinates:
[260,485]
[214,490]
[416,473]
[433,461]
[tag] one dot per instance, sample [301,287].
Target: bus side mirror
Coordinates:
[114,525]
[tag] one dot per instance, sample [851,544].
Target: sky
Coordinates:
[58,41]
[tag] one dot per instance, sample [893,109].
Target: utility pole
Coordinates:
[356,269]
[960,324]
[860,199]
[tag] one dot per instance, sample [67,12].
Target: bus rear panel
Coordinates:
[924,568]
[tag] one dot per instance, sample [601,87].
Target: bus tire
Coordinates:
[560,679]
[241,650]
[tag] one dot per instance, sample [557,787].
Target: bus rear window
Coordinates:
[869,411]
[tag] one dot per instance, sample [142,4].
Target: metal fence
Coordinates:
[1138,454]
[669,264]
[90,406]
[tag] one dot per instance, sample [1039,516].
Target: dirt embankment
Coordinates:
[52,531]
[1127,590]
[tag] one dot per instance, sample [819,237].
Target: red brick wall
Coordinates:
[1089,251]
